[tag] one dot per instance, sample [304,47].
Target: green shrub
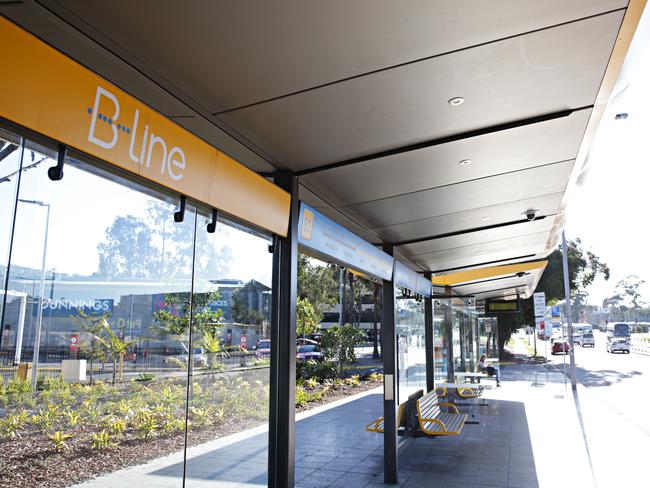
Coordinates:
[311,383]
[313,369]
[102,440]
[303,396]
[145,425]
[59,438]
[145,377]
[12,424]
[352,380]
[117,426]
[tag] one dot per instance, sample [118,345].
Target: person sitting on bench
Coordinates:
[483,367]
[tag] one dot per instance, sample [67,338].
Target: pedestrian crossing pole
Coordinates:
[567,297]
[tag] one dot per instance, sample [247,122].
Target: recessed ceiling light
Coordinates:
[465,162]
[455,101]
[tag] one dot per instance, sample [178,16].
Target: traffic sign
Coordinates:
[74,343]
[539,301]
[555,311]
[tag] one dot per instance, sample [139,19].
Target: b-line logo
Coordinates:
[172,162]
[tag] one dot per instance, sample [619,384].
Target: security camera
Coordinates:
[531,214]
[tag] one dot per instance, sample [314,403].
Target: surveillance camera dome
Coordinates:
[531,214]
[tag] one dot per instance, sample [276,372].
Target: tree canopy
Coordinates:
[584,267]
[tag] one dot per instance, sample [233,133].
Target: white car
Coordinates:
[621,345]
[587,339]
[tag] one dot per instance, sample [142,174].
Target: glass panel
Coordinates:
[105,273]
[229,390]
[440,343]
[411,352]
[10,159]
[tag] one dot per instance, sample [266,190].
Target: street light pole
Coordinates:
[567,297]
[39,318]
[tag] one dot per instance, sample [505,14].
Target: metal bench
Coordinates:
[433,421]
[378,425]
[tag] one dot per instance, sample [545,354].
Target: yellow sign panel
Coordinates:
[50,93]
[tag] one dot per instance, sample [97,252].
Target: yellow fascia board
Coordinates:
[486,273]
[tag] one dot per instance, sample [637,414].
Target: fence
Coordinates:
[640,345]
[50,363]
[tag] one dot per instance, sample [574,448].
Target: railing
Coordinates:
[640,345]
[50,363]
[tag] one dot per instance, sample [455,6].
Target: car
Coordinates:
[576,337]
[309,351]
[618,344]
[263,349]
[560,346]
[199,358]
[301,341]
[587,339]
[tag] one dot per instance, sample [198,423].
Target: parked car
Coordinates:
[263,349]
[198,357]
[587,339]
[560,346]
[310,351]
[618,344]
[576,337]
[301,341]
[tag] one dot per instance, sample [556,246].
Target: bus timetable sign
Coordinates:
[539,301]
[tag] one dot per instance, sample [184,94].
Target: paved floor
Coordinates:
[530,435]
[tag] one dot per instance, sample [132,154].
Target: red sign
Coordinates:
[242,341]
[74,342]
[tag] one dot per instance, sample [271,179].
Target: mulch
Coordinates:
[32,461]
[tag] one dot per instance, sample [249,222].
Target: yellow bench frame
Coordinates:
[444,432]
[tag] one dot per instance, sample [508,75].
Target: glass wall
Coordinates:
[487,337]
[126,336]
[441,347]
[411,353]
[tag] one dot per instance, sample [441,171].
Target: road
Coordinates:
[620,381]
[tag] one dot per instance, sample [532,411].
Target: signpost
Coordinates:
[539,303]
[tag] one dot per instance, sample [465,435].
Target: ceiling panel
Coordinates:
[517,78]
[491,154]
[470,219]
[482,253]
[510,187]
[475,238]
[226,54]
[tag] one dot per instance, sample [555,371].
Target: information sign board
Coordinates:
[539,302]
[328,239]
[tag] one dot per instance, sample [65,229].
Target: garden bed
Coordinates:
[114,427]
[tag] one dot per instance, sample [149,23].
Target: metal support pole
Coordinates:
[428,337]
[569,320]
[342,296]
[282,411]
[449,338]
[39,319]
[389,352]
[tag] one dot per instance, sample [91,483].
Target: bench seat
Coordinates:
[433,421]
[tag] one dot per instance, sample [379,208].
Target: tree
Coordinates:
[156,247]
[317,284]
[93,325]
[308,318]
[174,319]
[626,297]
[338,343]
[128,251]
[115,347]
[584,267]
[243,311]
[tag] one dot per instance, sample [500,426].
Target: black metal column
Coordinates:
[449,337]
[282,434]
[428,337]
[389,352]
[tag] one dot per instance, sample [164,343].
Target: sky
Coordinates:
[610,208]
